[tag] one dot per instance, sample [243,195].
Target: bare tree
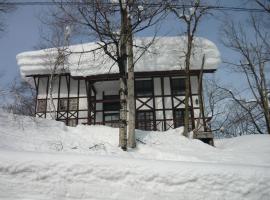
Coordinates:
[230,114]
[264,4]
[240,121]
[113,24]
[252,44]
[20,98]
[216,101]
[56,39]
[190,15]
[5,7]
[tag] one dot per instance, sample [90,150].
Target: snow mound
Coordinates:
[55,176]
[165,54]
[19,133]
[245,143]
[44,159]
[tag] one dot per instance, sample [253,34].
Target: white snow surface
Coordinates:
[165,54]
[44,159]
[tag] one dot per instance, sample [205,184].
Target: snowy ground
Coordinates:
[42,159]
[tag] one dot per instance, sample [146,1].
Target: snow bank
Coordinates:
[56,176]
[19,133]
[166,54]
[44,159]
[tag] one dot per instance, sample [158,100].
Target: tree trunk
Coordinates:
[51,104]
[123,114]
[130,84]
[122,63]
[266,109]
[267,114]
[265,104]
[201,114]
[187,83]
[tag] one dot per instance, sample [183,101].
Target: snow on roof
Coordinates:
[165,54]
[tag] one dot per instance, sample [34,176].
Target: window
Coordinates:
[73,104]
[111,119]
[178,86]
[111,103]
[144,87]
[179,115]
[111,108]
[41,105]
[63,104]
[144,120]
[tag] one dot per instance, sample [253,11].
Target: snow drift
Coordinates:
[43,159]
[165,54]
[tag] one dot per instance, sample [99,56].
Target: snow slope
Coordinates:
[43,159]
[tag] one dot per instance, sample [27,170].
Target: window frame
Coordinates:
[38,110]
[115,103]
[111,108]
[183,119]
[145,123]
[65,108]
[142,90]
[70,105]
[178,122]
[178,90]
[110,114]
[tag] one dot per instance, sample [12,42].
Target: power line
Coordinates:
[177,6]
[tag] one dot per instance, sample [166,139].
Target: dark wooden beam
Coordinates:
[149,74]
[93,88]
[58,100]
[47,90]
[163,102]
[37,90]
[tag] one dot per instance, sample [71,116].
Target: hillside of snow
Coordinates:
[44,159]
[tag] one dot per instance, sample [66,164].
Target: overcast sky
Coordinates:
[22,34]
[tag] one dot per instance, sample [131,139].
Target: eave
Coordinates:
[115,76]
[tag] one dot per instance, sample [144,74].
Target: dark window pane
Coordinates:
[178,86]
[63,104]
[140,115]
[144,120]
[41,105]
[144,88]
[111,119]
[112,103]
[179,117]
[111,107]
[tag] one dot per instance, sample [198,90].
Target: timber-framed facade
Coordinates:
[94,100]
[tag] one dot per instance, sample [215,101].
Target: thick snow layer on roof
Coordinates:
[165,54]
[44,159]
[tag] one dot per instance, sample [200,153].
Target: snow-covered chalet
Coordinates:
[86,89]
